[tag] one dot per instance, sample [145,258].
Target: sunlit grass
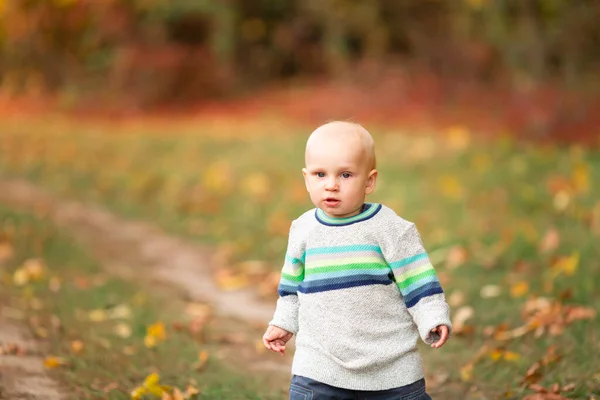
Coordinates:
[71,302]
[238,187]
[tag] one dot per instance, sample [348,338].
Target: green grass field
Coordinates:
[513,229]
[95,326]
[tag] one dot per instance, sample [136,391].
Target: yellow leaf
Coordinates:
[157,330]
[150,341]
[154,334]
[53,362]
[97,315]
[138,392]
[496,354]
[519,289]
[20,277]
[451,187]
[566,265]
[511,356]
[581,178]
[466,372]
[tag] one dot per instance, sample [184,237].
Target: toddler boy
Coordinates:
[357,286]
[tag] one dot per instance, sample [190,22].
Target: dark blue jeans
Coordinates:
[303,388]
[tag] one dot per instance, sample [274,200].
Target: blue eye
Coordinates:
[320,174]
[346,175]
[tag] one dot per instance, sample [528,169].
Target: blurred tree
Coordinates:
[190,49]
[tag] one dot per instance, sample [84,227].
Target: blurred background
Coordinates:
[528,65]
[185,122]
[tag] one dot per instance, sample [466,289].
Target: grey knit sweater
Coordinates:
[358,292]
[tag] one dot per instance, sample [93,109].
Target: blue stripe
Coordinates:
[285,290]
[342,249]
[419,284]
[426,291]
[408,260]
[315,276]
[343,285]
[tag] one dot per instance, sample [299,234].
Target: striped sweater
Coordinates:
[358,292]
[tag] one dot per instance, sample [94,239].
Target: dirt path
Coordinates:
[123,247]
[22,375]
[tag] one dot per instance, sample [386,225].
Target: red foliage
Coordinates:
[418,101]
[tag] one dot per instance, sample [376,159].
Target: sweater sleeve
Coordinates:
[292,274]
[418,282]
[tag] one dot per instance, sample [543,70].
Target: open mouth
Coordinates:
[330,201]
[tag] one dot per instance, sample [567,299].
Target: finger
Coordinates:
[444,334]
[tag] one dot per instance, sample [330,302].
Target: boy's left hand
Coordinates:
[443,331]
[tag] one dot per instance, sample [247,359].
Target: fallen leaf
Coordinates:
[53,362]
[460,317]
[566,265]
[550,241]
[97,315]
[466,372]
[203,357]
[150,386]
[122,311]
[77,346]
[562,200]
[490,291]
[519,289]
[122,330]
[155,333]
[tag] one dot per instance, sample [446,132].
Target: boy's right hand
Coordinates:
[275,339]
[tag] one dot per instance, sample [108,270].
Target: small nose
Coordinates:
[331,183]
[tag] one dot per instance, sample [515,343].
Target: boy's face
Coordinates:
[338,175]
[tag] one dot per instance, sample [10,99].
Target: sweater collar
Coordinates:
[368,211]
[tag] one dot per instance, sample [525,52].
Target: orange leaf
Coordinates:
[53,362]
[519,289]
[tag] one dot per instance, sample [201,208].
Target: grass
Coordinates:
[71,305]
[483,210]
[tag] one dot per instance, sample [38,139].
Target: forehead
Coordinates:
[335,154]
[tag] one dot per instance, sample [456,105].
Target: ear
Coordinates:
[305,174]
[371,181]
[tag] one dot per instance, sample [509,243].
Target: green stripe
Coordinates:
[407,282]
[293,278]
[345,267]
[346,260]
